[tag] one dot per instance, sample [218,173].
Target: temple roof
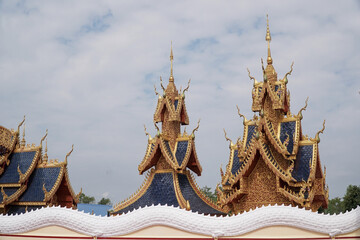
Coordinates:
[182,156]
[275,137]
[172,189]
[170,155]
[27,178]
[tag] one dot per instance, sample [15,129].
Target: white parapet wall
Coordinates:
[270,222]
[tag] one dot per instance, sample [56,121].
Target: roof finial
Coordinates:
[45,157]
[23,142]
[171,79]
[268,39]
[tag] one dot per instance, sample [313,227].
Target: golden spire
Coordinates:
[23,142]
[45,157]
[268,39]
[171,79]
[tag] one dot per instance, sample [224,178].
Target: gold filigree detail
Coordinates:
[46,193]
[21,175]
[4,196]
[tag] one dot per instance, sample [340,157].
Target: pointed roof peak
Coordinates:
[268,39]
[171,79]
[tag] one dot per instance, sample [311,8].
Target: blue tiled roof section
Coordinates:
[21,159]
[13,210]
[98,209]
[181,151]
[169,149]
[196,203]
[8,191]
[251,132]
[34,191]
[236,162]
[161,191]
[302,163]
[176,103]
[288,128]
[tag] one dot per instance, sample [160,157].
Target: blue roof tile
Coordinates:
[21,159]
[196,203]
[181,151]
[288,128]
[167,145]
[161,191]
[251,132]
[176,103]
[302,163]
[236,162]
[34,191]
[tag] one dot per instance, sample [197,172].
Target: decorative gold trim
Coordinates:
[149,155]
[71,190]
[10,185]
[179,196]
[4,195]
[15,195]
[29,203]
[21,175]
[10,146]
[196,188]
[46,193]
[56,185]
[135,196]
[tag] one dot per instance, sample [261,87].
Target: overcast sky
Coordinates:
[85,70]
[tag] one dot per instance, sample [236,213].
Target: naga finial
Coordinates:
[68,154]
[161,84]
[21,124]
[289,73]
[268,39]
[195,129]
[157,128]
[221,171]
[156,92]
[77,197]
[227,139]
[187,88]
[241,114]
[317,138]
[146,133]
[303,108]
[43,138]
[251,77]
[262,65]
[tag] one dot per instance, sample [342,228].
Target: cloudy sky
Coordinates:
[85,70]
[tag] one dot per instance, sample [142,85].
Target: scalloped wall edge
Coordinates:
[182,220]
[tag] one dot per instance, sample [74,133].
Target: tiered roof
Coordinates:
[27,179]
[169,157]
[273,162]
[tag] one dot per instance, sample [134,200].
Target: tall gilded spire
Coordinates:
[45,157]
[171,79]
[23,142]
[268,39]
